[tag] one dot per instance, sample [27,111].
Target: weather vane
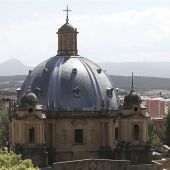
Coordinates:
[67,10]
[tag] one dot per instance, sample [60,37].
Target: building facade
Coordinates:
[67,109]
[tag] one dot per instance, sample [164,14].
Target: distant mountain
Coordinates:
[141,83]
[12,78]
[147,74]
[10,83]
[149,69]
[13,67]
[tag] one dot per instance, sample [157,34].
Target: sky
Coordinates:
[109,30]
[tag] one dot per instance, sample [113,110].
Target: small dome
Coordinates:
[30,97]
[131,99]
[67,27]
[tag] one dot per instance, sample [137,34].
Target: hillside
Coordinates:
[10,83]
[13,67]
[141,83]
[123,82]
[148,69]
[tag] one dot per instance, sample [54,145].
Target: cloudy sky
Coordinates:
[109,30]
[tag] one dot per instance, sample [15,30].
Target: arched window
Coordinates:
[136,132]
[110,92]
[31,134]
[116,133]
[30,110]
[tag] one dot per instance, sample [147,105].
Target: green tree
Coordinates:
[4,131]
[150,128]
[154,139]
[155,142]
[11,161]
[161,134]
[167,134]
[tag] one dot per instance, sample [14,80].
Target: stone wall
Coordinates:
[102,164]
[93,164]
[133,152]
[154,166]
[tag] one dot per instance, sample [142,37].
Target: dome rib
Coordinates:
[54,83]
[96,85]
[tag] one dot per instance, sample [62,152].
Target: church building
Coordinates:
[67,109]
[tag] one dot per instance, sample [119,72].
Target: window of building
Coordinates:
[136,132]
[99,70]
[68,43]
[110,92]
[76,92]
[30,110]
[74,70]
[31,134]
[116,133]
[78,136]
[135,109]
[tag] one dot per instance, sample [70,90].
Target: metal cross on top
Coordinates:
[67,10]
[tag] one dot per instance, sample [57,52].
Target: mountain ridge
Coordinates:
[147,69]
[122,82]
[13,67]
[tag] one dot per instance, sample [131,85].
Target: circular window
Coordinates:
[135,109]
[30,110]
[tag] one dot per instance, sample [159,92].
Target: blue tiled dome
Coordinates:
[70,83]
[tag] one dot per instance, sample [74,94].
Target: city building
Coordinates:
[67,110]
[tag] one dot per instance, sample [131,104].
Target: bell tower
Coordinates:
[67,38]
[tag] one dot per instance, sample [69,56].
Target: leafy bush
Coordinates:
[154,139]
[11,161]
[4,130]
[168,128]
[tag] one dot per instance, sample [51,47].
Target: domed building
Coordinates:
[67,109]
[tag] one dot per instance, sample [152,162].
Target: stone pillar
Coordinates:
[110,134]
[103,137]
[106,134]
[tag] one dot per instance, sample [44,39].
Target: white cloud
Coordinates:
[121,36]
[128,35]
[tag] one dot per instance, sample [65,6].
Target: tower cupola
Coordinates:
[133,98]
[67,38]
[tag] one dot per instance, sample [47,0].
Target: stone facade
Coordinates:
[67,110]
[100,137]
